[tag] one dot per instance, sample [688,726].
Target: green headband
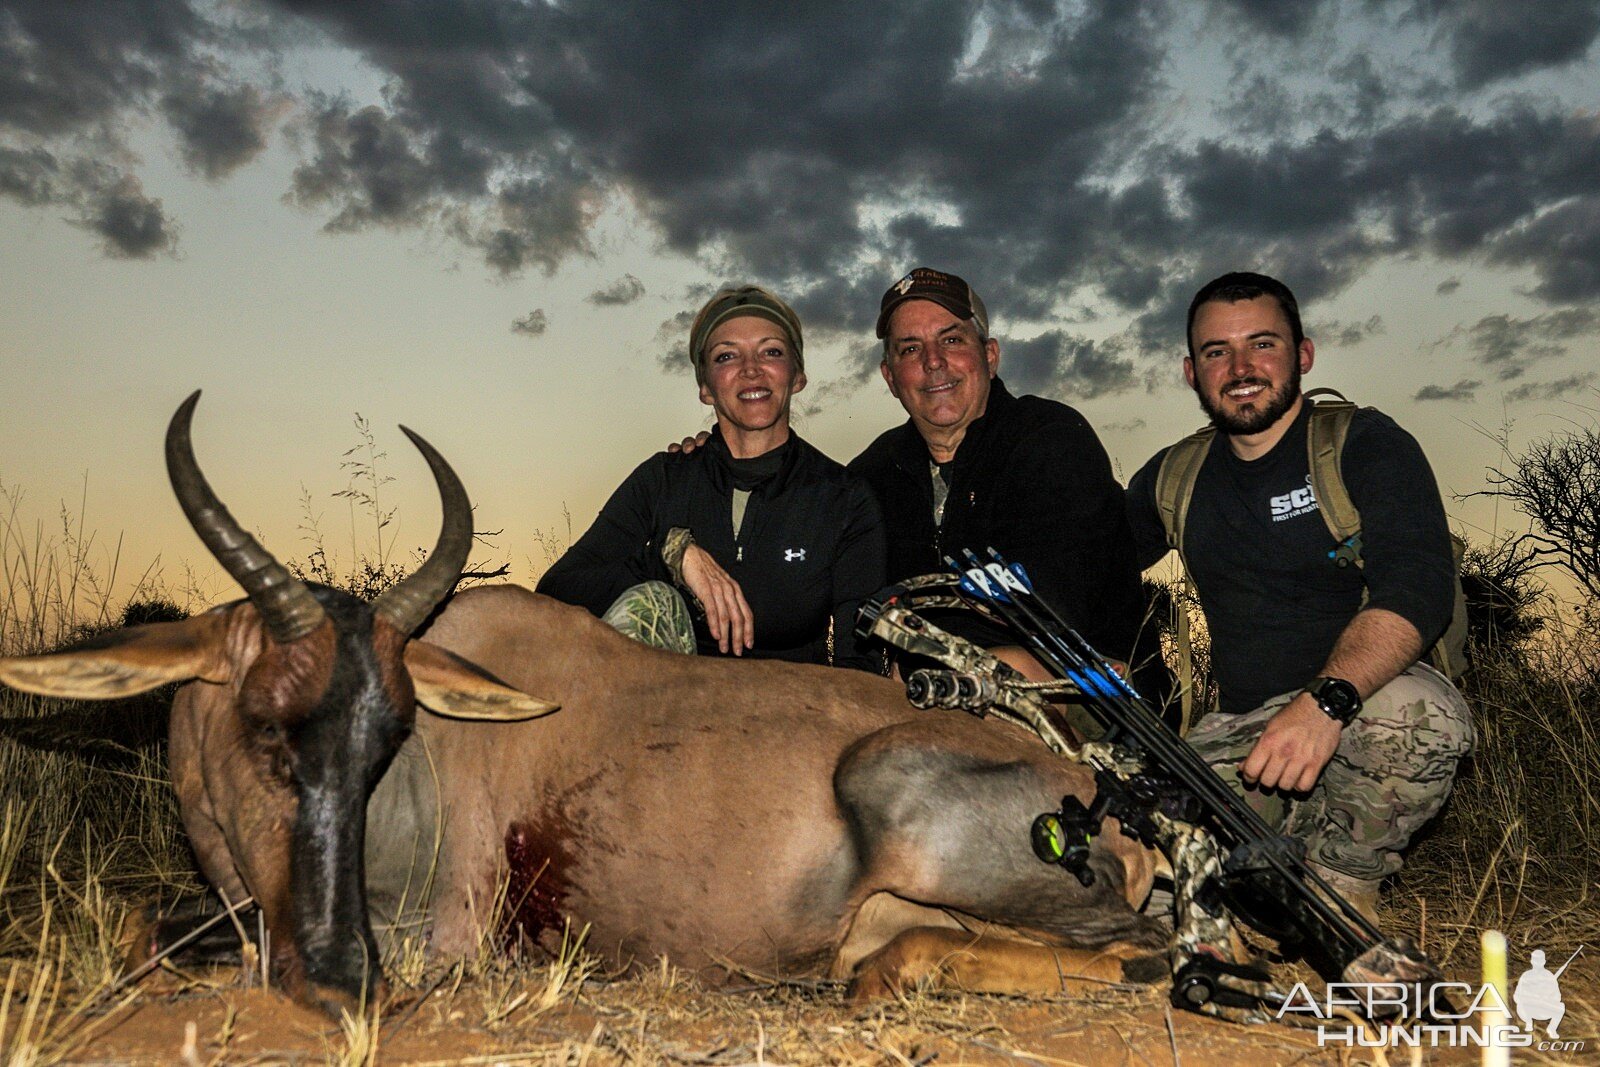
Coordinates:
[751,300]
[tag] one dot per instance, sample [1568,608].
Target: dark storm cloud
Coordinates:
[1465,389]
[372,166]
[1563,248]
[29,177]
[369,167]
[130,224]
[73,78]
[825,148]
[1448,286]
[1362,93]
[1273,16]
[533,324]
[100,199]
[538,219]
[775,148]
[1551,390]
[1062,365]
[1491,39]
[1488,40]
[1521,188]
[1344,334]
[672,343]
[1508,345]
[1263,103]
[625,290]
[65,68]
[220,130]
[819,162]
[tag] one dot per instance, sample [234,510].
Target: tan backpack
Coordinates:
[1330,423]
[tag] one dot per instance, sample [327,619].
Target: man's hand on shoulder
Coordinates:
[728,614]
[689,444]
[1294,748]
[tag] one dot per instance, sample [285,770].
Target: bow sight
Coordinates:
[1225,859]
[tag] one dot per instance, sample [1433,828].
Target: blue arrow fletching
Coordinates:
[1021,576]
[986,583]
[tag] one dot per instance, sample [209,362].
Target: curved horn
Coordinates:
[406,604]
[287,607]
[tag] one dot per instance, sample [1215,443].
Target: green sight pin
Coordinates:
[1049,838]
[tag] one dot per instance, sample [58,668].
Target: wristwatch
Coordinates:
[1336,697]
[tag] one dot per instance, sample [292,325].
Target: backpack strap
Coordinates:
[1330,424]
[1175,478]
[1179,470]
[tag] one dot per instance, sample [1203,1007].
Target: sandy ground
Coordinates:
[663,1018]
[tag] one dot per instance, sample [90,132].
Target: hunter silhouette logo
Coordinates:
[1538,992]
[794,555]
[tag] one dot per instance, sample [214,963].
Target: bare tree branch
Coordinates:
[1556,483]
[480,576]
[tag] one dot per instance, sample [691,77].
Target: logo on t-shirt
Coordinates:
[794,555]
[1291,504]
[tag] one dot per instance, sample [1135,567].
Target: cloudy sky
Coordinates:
[491,219]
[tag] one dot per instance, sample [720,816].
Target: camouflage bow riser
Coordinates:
[1202,927]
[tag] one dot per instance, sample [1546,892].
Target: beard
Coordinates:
[1266,410]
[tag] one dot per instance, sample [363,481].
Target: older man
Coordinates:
[976,467]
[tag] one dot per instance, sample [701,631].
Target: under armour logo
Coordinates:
[904,285]
[792,555]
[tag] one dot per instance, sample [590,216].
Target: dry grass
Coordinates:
[1515,848]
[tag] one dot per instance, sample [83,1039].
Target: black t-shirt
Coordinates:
[1257,550]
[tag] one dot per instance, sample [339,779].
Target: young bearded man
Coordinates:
[1327,722]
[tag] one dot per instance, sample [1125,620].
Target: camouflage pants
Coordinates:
[1390,774]
[654,614]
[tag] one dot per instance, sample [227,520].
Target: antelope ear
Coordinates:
[450,686]
[126,662]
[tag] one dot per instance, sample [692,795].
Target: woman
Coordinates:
[774,542]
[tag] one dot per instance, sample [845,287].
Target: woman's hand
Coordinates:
[728,616]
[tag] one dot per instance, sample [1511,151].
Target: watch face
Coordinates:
[1337,697]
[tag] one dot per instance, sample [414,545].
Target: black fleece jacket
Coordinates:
[1031,480]
[810,547]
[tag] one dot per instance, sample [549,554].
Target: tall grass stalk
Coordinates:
[1522,820]
[81,836]
[45,1016]
[360,1032]
[364,490]
[91,915]
[54,581]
